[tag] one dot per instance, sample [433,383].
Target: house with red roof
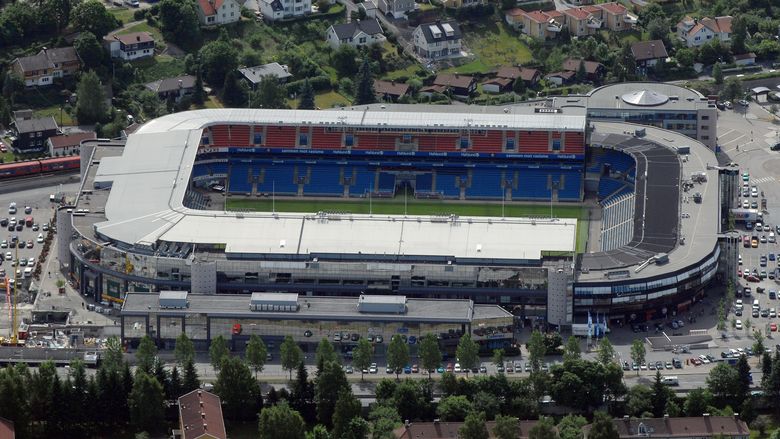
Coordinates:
[695,32]
[66,144]
[131,46]
[218,12]
[200,416]
[537,24]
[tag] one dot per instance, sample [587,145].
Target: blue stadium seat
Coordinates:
[485,183]
[532,184]
[423,183]
[446,183]
[569,189]
[363,182]
[608,186]
[278,179]
[324,180]
[239,181]
[386,183]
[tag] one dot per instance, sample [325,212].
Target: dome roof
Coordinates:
[645,98]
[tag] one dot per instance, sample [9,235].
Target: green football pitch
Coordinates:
[413,206]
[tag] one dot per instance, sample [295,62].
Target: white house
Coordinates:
[745,59]
[396,8]
[280,9]
[48,64]
[357,33]
[369,7]
[438,40]
[697,32]
[218,12]
[130,46]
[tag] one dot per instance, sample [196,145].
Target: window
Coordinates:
[258,138]
[556,144]
[705,118]
[362,40]
[303,139]
[705,127]
[349,139]
[407,138]
[510,143]
[705,137]
[464,143]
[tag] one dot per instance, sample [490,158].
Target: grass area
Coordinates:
[324,100]
[145,27]
[413,206]
[213,102]
[409,72]
[159,67]
[493,45]
[125,15]
[61,116]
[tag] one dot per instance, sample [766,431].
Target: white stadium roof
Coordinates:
[149,181]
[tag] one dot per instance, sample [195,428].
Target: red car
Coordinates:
[752,278]
[773,327]
[695,361]
[739,273]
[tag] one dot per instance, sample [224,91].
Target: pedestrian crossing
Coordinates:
[763,180]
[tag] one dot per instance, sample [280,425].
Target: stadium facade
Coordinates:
[140,223]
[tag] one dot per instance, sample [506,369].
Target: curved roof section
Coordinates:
[645,98]
[612,96]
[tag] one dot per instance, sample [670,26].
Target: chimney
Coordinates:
[666,415]
[407,424]
[138,38]
[181,83]
[706,415]
[200,392]
[203,415]
[736,416]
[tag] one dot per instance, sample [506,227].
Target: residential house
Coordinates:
[219,12]
[256,74]
[697,32]
[594,71]
[560,78]
[457,4]
[461,86]
[175,88]
[702,427]
[200,416]
[396,8]
[616,17]
[438,40]
[514,18]
[508,75]
[582,21]
[390,91]
[135,45]
[355,33]
[32,133]
[48,64]
[745,59]
[497,85]
[66,144]
[540,24]
[648,53]
[369,7]
[450,430]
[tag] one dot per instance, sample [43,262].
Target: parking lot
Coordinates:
[24,228]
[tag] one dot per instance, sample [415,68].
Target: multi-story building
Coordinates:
[129,47]
[355,33]
[32,133]
[537,24]
[616,17]
[580,21]
[457,4]
[48,64]
[697,32]
[219,12]
[396,8]
[438,40]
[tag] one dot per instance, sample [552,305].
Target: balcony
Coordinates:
[594,23]
[630,19]
[553,26]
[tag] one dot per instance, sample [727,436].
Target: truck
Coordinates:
[746,215]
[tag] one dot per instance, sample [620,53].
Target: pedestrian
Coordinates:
[50,274]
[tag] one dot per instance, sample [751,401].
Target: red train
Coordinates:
[37,167]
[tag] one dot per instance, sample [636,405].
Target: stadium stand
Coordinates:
[278,178]
[488,142]
[617,223]
[486,183]
[386,183]
[322,139]
[280,137]
[240,177]
[323,180]
[447,182]
[609,186]
[533,183]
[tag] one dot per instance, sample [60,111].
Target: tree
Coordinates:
[325,353]
[238,389]
[191,381]
[344,60]
[330,383]
[147,351]
[270,94]
[606,351]
[184,351]
[92,16]
[147,404]
[291,354]
[429,353]
[544,429]
[281,422]
[384,419]
[217,58]
[505,427]
[179,23]
[738,35]
[717,74]
[256,353]
[467,353]
[758,344]
[89,49]
[347,408]
[358,427]
[732,89]
[364,88]
[362,356]
[397,354]
[199,93]
[113,354]
[624,68]
[218,351]
[307,96]
[519,86]
[723,383]
[91,106]
[175,387]
[454,408]
[572,349]
[685,57]
[661,396]
[638,352]
[570,427]
[536,349]
[234,91]
[581,72]
[59,12]
[639,400]
[498,357]
[658,29]
[13,84]
[508,4]
[474,427]
[697,401]
[745,379]
[302,395]
[602,427]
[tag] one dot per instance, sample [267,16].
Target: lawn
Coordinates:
[145,27]
[123,14]
[159,67]
[323,100]
[61,116]
[493,45]
[412,206]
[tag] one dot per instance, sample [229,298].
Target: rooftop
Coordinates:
[609,96]
[170,84]
[348,30]
[255,74]
[648,50]
[70,140]
[36,124]
[200,416]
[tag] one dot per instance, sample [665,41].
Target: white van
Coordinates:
[756,305]
[670,381]
[772,238]
[12,208]
[28,272]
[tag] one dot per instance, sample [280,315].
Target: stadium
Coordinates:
[537,210]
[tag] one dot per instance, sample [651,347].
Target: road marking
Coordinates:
[734,140]
[764,180]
